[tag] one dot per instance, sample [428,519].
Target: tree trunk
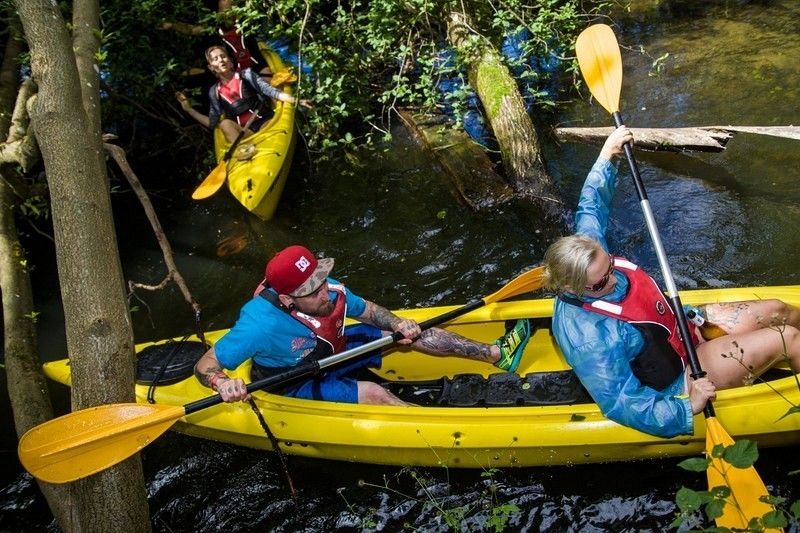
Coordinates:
[505,109]
[27,389]
[99,333]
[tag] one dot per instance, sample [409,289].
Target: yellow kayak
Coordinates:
[258,182]
[469,414]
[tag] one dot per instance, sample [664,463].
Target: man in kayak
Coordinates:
[237,94]
[298,313]
[618,332]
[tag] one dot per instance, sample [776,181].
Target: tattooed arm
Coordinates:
[386,320]
[209,372]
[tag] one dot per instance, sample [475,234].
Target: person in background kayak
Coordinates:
[243,49]
[618,332]
[238,95]
[297,314]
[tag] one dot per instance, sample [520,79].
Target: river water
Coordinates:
[401,239]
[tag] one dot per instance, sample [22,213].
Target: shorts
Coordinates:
[339,384]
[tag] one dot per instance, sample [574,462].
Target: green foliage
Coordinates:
[367,57]
[434,496]
[711,503]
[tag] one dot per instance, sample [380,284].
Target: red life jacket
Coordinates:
[237,99]
[235,43]
[327,329]
[644,304]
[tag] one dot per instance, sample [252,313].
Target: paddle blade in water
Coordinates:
[526,282]
[745,483]
[601,64]
[212,183]
[82,443]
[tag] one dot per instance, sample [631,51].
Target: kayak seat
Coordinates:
[498,390]
[168,363]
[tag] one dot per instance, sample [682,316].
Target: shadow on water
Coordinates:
[400,238]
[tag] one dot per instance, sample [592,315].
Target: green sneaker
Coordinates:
[512,345]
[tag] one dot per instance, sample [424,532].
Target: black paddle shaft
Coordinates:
[311,368]
[672,291]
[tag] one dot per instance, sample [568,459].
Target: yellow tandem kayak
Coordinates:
[258,182]
[471,415]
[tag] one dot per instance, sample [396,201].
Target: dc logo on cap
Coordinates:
[302,264]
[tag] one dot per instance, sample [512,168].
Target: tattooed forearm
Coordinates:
[443,342]
[205,375]
[380,317]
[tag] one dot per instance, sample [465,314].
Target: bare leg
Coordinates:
[231,130]
[372,393]
[740,317]
[728,360]
[437,341]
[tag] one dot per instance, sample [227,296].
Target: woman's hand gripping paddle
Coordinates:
[601,64]
[82,443]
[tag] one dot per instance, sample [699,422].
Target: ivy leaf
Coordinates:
[688,500]
[695,464]
[714,509]
[795,509]
[775,520]
[742,454]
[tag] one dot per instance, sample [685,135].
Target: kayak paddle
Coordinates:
[601,65]
[85,442]
[217,177]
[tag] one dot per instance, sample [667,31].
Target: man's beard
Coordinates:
[321,311]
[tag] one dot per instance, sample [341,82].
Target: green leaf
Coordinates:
[792,410]
[714,509]
[775,520]
[795,510]
[688,500]
[720,491]
[695,464]
[741,454]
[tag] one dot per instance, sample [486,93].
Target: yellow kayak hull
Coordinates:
[478,437]
[257,183]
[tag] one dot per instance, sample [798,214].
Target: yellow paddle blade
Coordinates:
[526,282]
[745,483]
[212,183]
[601,64]
[82,443]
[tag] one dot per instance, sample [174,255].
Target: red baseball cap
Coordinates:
[296,271]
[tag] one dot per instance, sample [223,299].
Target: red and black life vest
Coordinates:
[646,307]
[328,330]
[238,98]
[238,49]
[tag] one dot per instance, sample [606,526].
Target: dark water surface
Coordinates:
[400,238]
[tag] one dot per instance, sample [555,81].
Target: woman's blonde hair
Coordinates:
[567,260]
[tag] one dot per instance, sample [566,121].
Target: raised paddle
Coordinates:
[601,64]
[217,177]
[82,443]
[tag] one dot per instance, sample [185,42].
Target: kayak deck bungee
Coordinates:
[489,429]
[257,183]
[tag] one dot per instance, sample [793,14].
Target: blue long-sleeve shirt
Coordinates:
[600,348]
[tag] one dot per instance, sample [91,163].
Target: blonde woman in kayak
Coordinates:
[619,334]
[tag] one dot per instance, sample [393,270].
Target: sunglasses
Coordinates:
[600,285]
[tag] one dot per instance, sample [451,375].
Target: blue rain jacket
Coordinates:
[600,348]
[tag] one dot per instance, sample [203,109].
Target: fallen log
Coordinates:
[471,171]
[697,139]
